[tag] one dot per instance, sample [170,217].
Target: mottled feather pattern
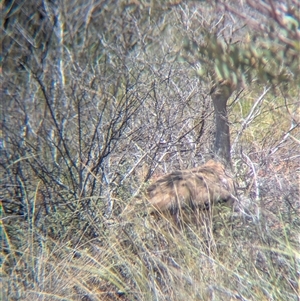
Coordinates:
[194,188]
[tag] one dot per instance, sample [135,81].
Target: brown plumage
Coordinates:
[192,189]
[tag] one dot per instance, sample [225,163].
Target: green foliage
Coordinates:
[267,51]
[96,102]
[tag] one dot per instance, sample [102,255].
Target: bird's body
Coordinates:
[192,189]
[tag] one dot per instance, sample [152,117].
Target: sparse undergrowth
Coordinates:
[133,256]
[99,98]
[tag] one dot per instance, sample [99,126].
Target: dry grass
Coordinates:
[79,252]
[133,256]
[89,117]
